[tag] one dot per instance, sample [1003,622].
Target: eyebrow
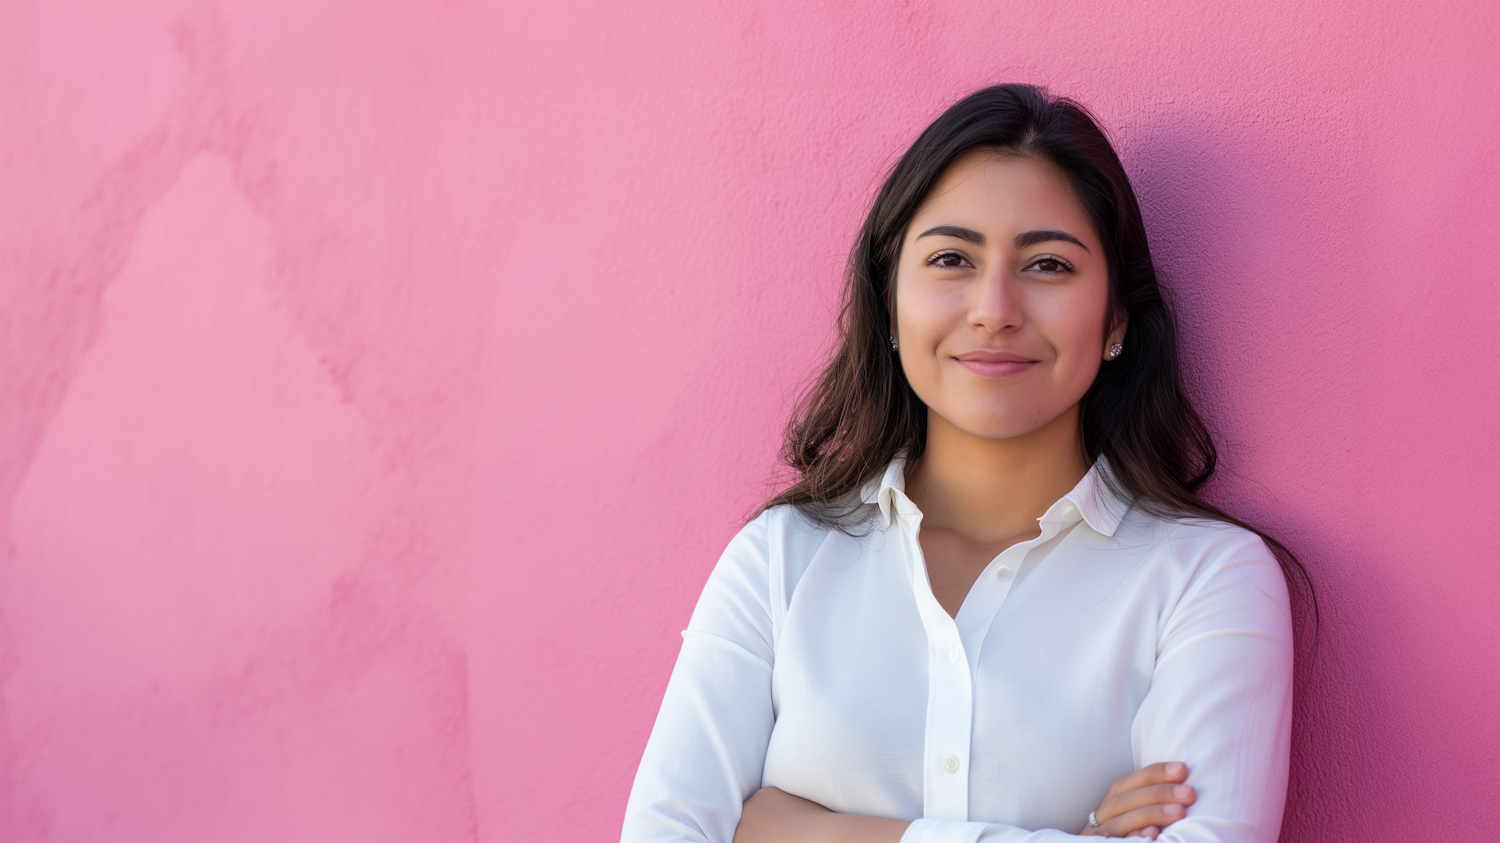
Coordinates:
[966,234]
[1031,238]
[1024,239]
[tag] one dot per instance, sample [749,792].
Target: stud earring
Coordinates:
[1114,350]
[894,346]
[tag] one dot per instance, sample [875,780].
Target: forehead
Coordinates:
[1001,189]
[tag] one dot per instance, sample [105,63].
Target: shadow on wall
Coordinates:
[1231,228]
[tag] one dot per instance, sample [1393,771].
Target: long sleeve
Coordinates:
[1220,701]
[707,750]
[1221,698]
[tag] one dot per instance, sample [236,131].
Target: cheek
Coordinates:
[1084,337]
[1075,328]
[923,320]
[930,309]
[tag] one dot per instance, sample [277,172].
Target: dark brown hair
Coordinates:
[861,413]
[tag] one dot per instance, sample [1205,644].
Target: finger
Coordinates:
[1160,816]
[1165,772]
[1156,794]
[1149,832]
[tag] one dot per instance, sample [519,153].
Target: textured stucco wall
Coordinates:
[381,380]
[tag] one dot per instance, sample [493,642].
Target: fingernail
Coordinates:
[1174,768]
[1171,809]
[1182,791]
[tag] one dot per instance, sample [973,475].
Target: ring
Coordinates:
[1094,824]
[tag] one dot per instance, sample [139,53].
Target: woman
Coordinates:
[993,607]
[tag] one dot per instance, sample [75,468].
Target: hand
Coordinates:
[1144,802]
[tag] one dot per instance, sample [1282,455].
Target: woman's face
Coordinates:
[1001,293]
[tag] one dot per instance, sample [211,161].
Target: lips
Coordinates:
[995,364]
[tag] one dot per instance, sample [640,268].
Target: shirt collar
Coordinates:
[888,491]
[1093,499]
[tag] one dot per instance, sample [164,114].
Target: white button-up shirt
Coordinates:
[822,664]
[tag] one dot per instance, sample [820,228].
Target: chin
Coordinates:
[992,428]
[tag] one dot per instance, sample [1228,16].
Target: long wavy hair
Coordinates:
[861,413]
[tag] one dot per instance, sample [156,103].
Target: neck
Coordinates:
[991,490]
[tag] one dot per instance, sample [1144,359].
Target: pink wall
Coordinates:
[381,381]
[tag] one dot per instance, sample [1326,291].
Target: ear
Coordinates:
[1116,332]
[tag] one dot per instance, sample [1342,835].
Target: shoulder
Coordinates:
[1207,558]
[779,532]
[788,535]
[761,564]
[1189,540]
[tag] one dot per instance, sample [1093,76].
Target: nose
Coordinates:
[996,304]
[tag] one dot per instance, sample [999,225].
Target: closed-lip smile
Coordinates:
[994,364]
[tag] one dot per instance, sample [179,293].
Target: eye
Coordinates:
[948,260]
[1051,265]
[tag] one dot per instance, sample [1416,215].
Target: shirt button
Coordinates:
[951,765]
[952,654]
[1002,572]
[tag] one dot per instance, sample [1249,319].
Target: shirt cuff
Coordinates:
[942,831]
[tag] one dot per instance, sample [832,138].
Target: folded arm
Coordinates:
[1138,805]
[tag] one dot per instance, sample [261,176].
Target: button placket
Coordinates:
[951,686]
[950,696]
[953,656]
[950,700]
[950,704]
